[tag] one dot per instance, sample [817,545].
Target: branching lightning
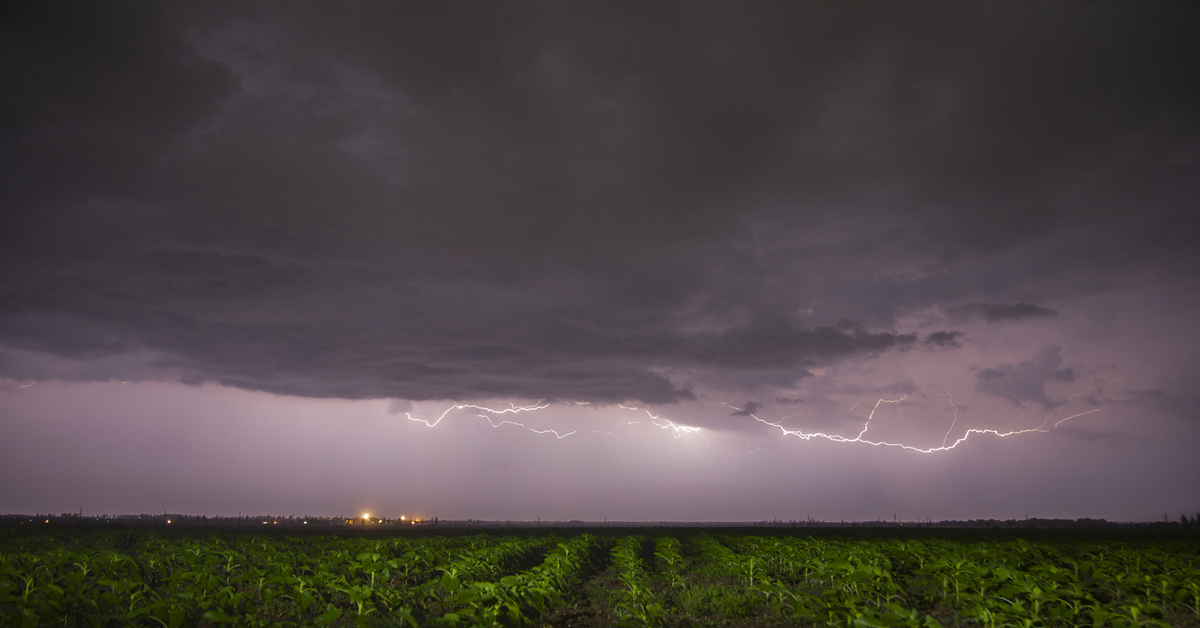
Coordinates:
[837,438]
[1049,423]
[867,425]
[666,424]
[511,410]
[662,423]
[952,423]
[522,425]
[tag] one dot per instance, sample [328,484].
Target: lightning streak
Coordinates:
[867,425]
[666,424]
[512,409]
[679,430]
[837,438]
[1097,387]
[522,425]
[952,423]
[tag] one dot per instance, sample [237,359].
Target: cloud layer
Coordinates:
[607,203]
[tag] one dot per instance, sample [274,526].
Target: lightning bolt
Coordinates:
[660,422]
[837,438]
[511,410]
[666,424]
[522,425]
[952,423]
[1048,424]
[867,425]
[1097,387]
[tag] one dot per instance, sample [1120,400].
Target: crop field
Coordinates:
[80,576]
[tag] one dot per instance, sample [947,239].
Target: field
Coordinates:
[95,576]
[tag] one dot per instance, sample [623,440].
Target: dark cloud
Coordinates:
[944,338]
[992,312]
[1027,380]
[93,96]
[598,202]
[788,400]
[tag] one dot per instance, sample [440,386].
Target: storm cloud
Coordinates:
[944,338]
[1026,381]
[606,203]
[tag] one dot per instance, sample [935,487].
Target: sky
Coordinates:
[673,261]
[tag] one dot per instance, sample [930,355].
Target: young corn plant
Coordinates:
[636,604]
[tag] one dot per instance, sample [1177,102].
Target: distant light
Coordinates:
[366,516]
[305,523]
[168,521]
[48,521]
[402,517]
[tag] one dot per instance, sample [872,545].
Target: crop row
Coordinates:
[248,580]
[723,580]
[636,602]
[1016,583]
[513,600]
[841,586]
[94,578]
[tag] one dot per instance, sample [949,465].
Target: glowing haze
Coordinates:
[605,260]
